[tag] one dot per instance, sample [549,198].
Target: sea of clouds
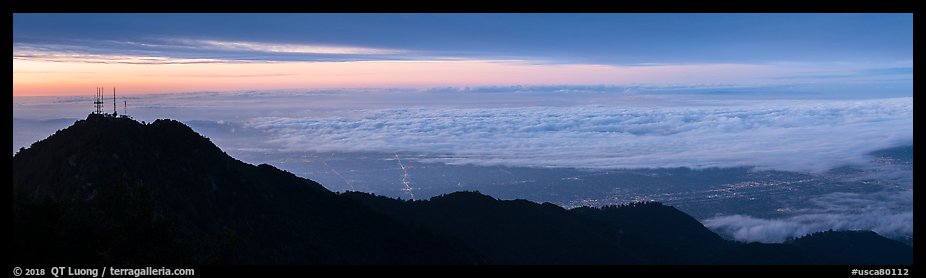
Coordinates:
[595,127]
[784,135]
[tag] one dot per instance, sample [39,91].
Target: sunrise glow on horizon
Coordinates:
[71,54]
[74,78]
[304,67]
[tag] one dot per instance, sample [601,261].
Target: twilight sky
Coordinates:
[70,54]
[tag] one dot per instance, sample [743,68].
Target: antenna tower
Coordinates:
[98,102]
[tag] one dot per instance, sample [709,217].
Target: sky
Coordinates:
[71,54]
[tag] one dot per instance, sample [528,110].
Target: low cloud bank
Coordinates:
[889,214]
[799,136]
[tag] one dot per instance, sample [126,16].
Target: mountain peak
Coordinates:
[101,147]
[114,190]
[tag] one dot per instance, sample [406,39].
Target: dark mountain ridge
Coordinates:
[112,190]
[116,191]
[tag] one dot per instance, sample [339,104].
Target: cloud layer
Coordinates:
[784,135]
[889,214]
[187,51]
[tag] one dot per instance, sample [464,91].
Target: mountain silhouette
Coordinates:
[115,191]
[112,190]
[829,247]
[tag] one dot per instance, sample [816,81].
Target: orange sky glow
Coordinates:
[37,78]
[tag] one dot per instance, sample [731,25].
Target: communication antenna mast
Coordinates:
[98,101]
[114,102]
